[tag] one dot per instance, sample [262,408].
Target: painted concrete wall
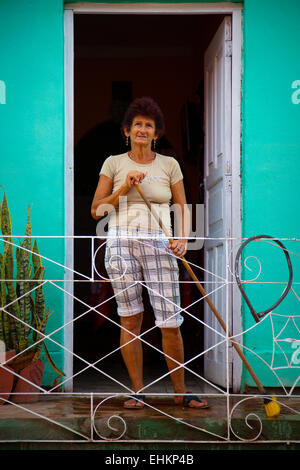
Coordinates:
[153,1]
[32,131]
[270,170]
[32,142]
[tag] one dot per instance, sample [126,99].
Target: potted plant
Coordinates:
[23,314]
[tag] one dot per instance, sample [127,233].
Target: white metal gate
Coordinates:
[98,417]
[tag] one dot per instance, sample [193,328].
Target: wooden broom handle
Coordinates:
[206,298]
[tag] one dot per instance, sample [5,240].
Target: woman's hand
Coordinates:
[133,178]
[178,247]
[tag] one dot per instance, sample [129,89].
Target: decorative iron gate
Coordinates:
[271,344]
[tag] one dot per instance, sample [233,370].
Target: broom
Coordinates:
[272,408]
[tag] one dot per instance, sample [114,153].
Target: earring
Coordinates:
[127,141]
[154,144]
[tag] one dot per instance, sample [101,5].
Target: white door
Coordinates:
[217,181]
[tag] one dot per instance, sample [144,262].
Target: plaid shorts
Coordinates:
[129,262]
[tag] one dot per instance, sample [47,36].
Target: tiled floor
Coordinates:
[94,381]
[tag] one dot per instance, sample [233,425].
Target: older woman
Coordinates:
[148,257]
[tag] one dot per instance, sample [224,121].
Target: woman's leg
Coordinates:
[132,353]
[173,347]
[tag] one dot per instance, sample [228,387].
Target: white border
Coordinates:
[236,77]
[235,9]
[154,8]
[69,190]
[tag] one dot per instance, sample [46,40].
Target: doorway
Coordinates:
[117,58]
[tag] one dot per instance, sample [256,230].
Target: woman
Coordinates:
[148,259]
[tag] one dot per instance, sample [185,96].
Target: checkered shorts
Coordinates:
[132,261]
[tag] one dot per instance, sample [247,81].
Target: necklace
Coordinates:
[149,178]
[131,156]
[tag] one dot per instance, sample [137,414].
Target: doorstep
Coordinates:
[100,422]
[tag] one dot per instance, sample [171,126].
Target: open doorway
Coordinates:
[118,58]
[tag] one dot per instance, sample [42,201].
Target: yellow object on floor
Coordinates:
[271,407]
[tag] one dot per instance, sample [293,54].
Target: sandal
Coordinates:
[138,399]
[188,398]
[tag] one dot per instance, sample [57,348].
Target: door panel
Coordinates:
[217,181]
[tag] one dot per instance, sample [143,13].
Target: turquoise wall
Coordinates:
[153,1]
[32,131]
[32,147]
[270,174]
[270,118]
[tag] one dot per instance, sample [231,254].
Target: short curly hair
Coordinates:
[147,107]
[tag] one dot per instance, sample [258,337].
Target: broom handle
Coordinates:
[206,298]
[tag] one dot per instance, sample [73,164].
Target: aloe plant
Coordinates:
[21,293]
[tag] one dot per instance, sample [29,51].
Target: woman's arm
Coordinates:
[104,196]
[182,219]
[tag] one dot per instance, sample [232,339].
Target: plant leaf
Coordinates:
[35,257]
[6,228]
[51,362]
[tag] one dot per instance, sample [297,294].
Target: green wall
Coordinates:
[32,130]
[153,1]
[32,144]
[270,170]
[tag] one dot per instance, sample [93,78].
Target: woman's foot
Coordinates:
[191,401]
[135,401]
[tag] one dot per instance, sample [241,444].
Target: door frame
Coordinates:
[235,10]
